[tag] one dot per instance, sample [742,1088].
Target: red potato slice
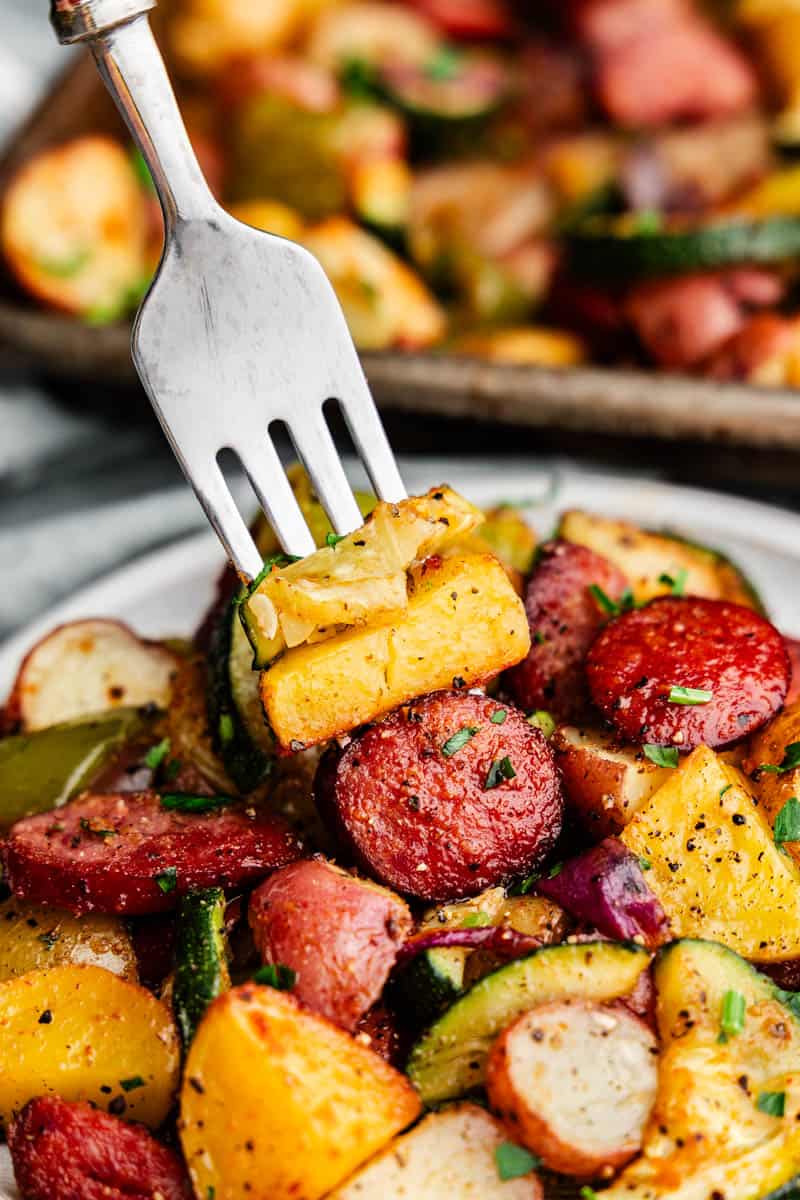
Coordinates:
[339,934]
[575,1082]
[605,780]
[450,1155]
[74,227]
[88,667]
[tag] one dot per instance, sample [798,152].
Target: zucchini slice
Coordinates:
[451,89]
[241,735]
[201,965]
[450,1059]
[603,249]
[656,563]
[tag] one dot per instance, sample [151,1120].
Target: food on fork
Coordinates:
[429,889]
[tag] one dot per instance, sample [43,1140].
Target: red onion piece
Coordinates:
[606,887]
[497,938]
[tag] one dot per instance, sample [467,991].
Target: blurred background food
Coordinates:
[552,182]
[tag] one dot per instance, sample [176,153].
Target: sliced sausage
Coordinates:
[575,1082]
[340,935]
[564,618]
[63,1150]
[735,658]
[448,795]
[125,853]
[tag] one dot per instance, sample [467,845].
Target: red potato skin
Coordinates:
[424,823]
[60,858]
[689,642]
[338,933]
[765,339]
[468,20]
[70,1151]
[564,618]
[793,650]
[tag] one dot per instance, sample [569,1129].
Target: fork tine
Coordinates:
[265,471]
[320,457]
[226,519]
[369,437]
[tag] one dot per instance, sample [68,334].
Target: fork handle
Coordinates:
[129,61]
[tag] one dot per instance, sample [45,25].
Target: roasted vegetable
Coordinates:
[201,965]
[85,668]
[81,1033]
[452,1153]
[726,1112]
[450,1059]
[775,781]
[714,864]
[319,690]
[33,937]
[595,1124]
[74,229]
[276,1098]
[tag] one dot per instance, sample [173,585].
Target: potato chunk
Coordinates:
[278,1101]
[575,1082]
[33,937]
[715,866]
[769,747]
[464,620]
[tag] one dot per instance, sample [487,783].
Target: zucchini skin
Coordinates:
[425,991]
[201,967]
[605,254]
[244,761]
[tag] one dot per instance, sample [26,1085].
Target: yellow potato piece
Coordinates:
[525,346]
[33,938]
[279,1103]
[463,619]
[714,864]
[97,1030]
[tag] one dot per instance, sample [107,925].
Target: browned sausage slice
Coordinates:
[339,934]
[564,617]
[448,795]
[684,672]
[125,853]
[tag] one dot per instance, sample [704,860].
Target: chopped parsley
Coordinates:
[662,756]
[333,539]
[787,822]
[156,754]
[523,886]
[541,719]
[459,740]
[498,718]
[87,827]
[648,222]
[276,975]
[226,729]
[645,864]
[556,869]
[514,1161]
[791,759]
[539,637]
[604,601]
[167,879]
[188,802]
[48,939]
[772,1103]
[734,1007]
[130,1085]
[587,1193]
[500,770]
[690,696]
[275,560]
[476,920]
[727,788]
[677,582]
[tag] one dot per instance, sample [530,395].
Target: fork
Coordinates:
[239,328]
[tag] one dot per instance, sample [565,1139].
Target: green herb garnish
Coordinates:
[524,885]
[459,740]
[476,920]
[648,221]
[734,1007]
[498,718]
[727,788]
[772,1103]
[645,864]
[130,1085]
[275,560]
[49,939]
[791,759]
[226,729]
[689,696]
[276,975]
[587,1193]
[500,770]
[677,582]
[333,539]
[662,756]
[188,802]
[156,754]
[556,869]
[167,879]
[514,1161]
[787,822]
[604,601]
[445,64]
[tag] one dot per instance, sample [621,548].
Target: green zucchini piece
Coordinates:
[240,733]
[43,770]
[603,249]
[201,964]
[450,1059]
[649,560]
[787,1191]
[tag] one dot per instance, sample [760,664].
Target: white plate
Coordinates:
[167,592]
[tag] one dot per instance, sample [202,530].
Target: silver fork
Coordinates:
[239,328]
